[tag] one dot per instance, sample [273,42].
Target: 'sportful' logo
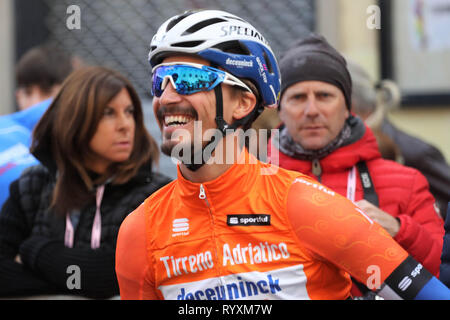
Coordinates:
[233,221]
[248,220]
[405,283]
[180,227]
[407,280]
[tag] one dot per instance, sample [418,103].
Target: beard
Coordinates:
[192,153]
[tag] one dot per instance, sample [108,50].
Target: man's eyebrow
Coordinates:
[322,91]
[298,92]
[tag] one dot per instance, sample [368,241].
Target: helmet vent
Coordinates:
[178,19]
[187,44]
[202,25]
[233,47]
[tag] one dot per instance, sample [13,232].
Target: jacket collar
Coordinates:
[238,177]
[344,158]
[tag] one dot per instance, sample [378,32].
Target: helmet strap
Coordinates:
[222,125]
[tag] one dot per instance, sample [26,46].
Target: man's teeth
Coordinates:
[176,120]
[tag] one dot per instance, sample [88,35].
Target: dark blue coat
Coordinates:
[445,258]
[15,140]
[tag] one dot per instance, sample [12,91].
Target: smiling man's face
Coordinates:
[175,111]
[314,113]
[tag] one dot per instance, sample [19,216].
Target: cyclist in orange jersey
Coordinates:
[230,226]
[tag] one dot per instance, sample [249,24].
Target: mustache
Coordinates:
[177,110]
[307,124]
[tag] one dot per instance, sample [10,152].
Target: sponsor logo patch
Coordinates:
[285,283]
[234,220]
[180,227]
[239,63]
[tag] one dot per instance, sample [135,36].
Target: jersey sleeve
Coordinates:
[336,230]
[132,268]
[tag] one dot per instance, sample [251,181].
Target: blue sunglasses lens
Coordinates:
[187,79]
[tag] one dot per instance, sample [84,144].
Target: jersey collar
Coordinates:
[231,185]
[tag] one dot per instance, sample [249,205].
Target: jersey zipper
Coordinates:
[317,169]
[202,196]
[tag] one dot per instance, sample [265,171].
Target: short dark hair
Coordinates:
[44,66]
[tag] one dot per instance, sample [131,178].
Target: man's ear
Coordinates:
[246,103]
[281,114]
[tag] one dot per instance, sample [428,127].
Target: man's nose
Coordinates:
[169,95]
[311,106]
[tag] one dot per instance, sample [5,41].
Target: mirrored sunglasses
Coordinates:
[190,78]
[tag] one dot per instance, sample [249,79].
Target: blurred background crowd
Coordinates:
[391,43]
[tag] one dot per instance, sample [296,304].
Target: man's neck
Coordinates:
[219,162]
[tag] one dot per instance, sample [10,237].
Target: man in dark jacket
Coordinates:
[321,138]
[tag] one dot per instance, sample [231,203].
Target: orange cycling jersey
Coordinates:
[247,235]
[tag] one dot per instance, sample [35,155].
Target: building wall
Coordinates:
[6,57]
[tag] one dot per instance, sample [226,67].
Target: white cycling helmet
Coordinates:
[225,40]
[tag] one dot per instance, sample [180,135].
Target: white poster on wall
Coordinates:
[429,24]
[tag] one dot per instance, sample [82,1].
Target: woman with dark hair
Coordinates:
[58,229]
